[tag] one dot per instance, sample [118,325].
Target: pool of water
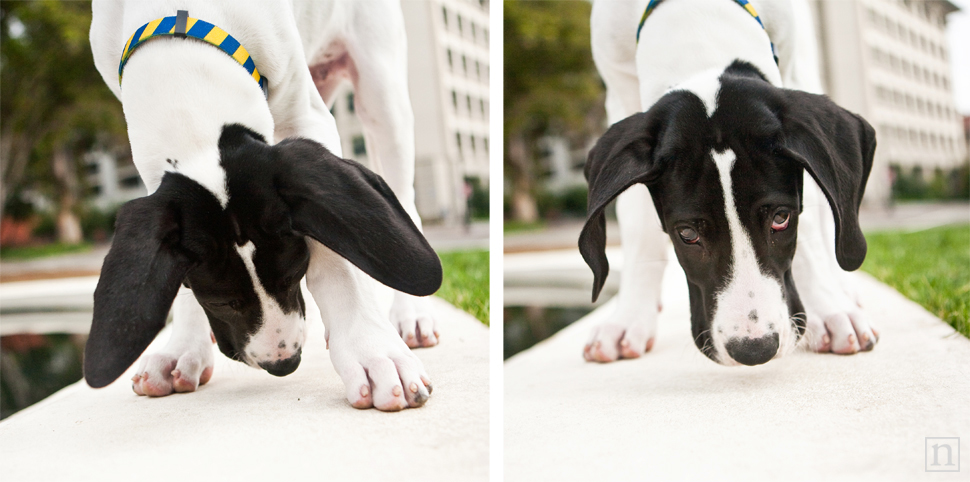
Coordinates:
[527,325]
[33,367]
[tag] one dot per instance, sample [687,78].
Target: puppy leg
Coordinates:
[186,361]
[835,321]
[377,368]
[631,330]
[384,108]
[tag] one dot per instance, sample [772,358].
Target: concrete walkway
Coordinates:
[674,415]
[248,425]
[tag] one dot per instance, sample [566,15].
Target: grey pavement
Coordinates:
[248,425]
[675,415]
[905,216]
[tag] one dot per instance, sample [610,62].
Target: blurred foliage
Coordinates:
[568,203]
[54,101]
[913,184]
[551,88]
[478,203]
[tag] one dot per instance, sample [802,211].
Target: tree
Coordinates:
[551,88]
[54,106]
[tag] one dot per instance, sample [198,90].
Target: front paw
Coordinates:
[413,318]
[379,370]
[618,339]
[844,333]
[167,372]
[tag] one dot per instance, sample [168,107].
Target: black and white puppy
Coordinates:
[736,166]
[249,195]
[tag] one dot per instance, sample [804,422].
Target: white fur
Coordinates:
[278,328]
[681,46]
[178,113]
[747,289]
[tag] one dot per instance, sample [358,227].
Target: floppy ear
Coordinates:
[139,279]
[625,155]
[836,147]
[352,211]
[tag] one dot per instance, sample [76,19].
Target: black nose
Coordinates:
[282,368]
[753,351]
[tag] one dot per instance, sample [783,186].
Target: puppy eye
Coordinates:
[780,221]
[688,235]
[234,304]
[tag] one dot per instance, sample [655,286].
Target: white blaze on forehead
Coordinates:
[705,85]
[750,305]
[208,173]
[281,334]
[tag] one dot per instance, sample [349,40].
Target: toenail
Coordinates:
[410,336]
[364,391]
[826,339]
[852,339]
[865,337]
[424,335]
[396,390]
[624,344]
[413,387]
[176,373]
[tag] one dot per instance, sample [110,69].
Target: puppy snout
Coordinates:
[752,351]
[282,368]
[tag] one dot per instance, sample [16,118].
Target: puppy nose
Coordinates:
[752,351]
[282,368]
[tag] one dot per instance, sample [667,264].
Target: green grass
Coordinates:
[930,267]
[42,251]
[519,226]
[465,282]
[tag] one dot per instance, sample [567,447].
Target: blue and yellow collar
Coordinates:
[182,26]
[744,3]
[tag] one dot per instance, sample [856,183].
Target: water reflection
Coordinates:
[33,367]
[527,325]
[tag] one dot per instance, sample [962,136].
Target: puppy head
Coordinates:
[244,259]
[723,156]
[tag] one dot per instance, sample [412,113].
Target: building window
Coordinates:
[468,103]
[474,37]
[350,102]
[485,31]
[458,141]
[444,15]
[481,106]
[454,100]
[450,62]
[464,64]
[472,143]
[460,31]
[358,145]
[485,144]
[478,70]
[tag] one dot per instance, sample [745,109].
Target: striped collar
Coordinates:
[182,26]
[744,3]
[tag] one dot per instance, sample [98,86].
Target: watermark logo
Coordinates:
[942,454]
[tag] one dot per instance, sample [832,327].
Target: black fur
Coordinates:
[277,196]
[775,133]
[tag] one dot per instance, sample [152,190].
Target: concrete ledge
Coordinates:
[248,425]
[674,415]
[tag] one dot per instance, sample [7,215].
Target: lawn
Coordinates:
[465,282]
[43,251]
[930,267]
